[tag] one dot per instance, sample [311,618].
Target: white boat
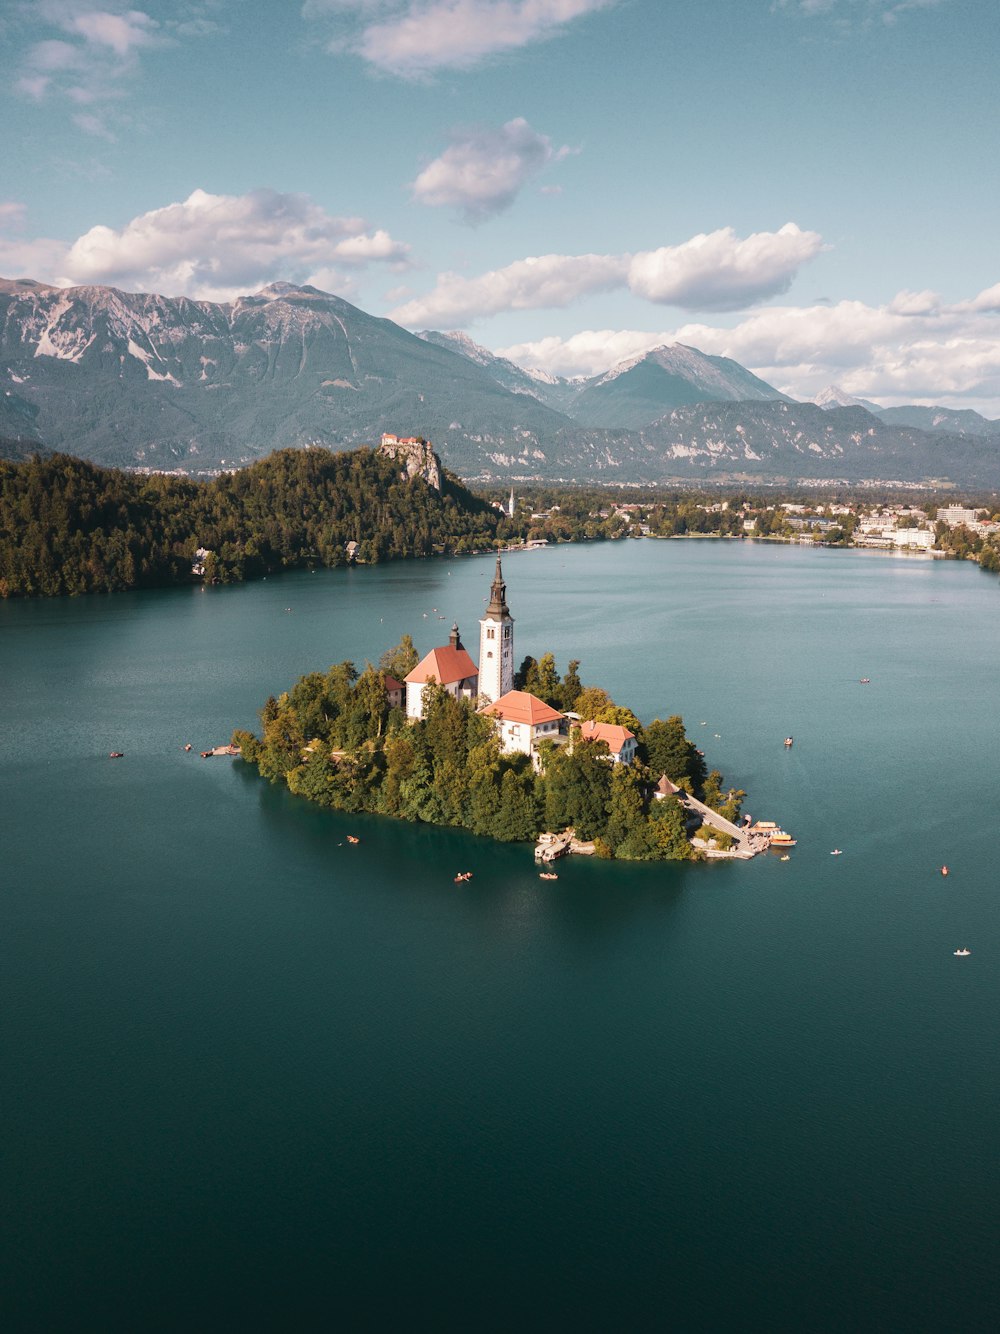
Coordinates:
[837,852]
[961,953]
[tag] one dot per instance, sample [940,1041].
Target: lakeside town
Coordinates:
[966,532]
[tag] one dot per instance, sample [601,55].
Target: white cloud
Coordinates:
[915,303]
[714,272]
[214,247]
[948,355]
[847,14]
[95,58]
[38,258]
[413,38]
[12,215]
[483,169]
[527,284]
[589,352]
[988,300]
[720,271]
[122,33]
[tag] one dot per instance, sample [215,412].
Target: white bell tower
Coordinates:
[496,644]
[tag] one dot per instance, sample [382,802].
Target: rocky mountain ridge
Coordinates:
[133,379]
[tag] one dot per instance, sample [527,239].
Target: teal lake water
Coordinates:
[255,1079]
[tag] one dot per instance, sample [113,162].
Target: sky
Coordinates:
[807,186]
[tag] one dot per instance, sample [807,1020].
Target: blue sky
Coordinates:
[809,186]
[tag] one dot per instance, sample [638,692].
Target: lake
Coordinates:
[257,1078]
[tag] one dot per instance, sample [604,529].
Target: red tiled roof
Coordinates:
[447,665]
[392,684]
[612,733]
[518,706]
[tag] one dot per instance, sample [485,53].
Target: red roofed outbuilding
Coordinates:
[523,720]
[620,741]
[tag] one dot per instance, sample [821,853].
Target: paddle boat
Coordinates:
[836,853]
[961,953]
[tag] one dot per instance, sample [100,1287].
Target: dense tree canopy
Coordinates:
[69,527]
[333,739]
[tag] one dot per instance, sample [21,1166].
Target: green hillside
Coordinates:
[67,526]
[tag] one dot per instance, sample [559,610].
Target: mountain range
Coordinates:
[144,380]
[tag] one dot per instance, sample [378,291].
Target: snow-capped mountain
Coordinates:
[640,390]
[507,373]
[835,397]
[129,379]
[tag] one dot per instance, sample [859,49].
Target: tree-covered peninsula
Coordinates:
[67,526]
[334,739]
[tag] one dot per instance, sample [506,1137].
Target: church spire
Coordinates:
[496,643]
[498,594]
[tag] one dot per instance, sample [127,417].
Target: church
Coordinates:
[452,667]
[522,720]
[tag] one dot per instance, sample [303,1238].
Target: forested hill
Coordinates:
[67,526]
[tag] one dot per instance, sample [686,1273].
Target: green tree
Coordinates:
[670,752]
[667,821]
[578,788]
[590,701]
[517,816]
[625,804]
[399,661]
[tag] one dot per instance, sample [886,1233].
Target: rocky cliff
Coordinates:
[417,457]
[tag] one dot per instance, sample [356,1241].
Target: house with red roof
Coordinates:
[620,741]
[523,720]
[449,666]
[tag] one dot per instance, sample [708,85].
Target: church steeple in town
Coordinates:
[496,643]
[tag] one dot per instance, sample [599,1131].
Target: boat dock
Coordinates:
[552,846]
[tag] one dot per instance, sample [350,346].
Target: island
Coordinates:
[508,754]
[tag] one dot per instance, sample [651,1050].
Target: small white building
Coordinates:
[620,741]
[449,666]
[523,720]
